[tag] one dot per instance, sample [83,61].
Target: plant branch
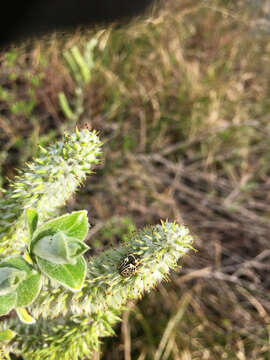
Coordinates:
[46,184]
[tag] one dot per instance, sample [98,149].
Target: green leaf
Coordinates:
[16,262]
[7,303]
[32,221]
[6,335]
[73,225]
[10,278]
[24,316]
[70,276]
[59,248]
[29,288]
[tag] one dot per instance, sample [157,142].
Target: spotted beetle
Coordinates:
[127,265]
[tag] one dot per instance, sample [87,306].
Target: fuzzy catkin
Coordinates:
[46,184]
[158,248]
[64,338]
[85,317]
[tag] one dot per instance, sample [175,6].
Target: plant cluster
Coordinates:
[56,249]
[64,303]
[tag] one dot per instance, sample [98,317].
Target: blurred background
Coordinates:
[181,100]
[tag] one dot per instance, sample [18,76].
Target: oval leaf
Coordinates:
[73,225]
[7,303]
[32,220]
[70,276]
[7,335]
[17,262]
[10,279]
[59,248]
[24,316]
[29,288]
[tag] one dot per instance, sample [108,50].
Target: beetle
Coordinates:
[127,266]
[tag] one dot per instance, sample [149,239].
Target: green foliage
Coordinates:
[23,107]
[11,57]
[10,279]
[6,335]
[7,303]
[59,248]
[20,284]
[64,105]
[90,314]
[73,225]
[32,221]
[80,66]
[68,275]
[24,316]
[158,248]
[65,338]
[5,95]
[55,248]
[19,98]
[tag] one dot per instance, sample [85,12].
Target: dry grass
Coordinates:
[182,103]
